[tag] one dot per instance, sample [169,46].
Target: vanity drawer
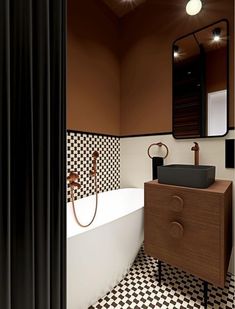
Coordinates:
[184,204]
[187,244]
[189,228]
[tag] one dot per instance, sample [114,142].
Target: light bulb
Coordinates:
[176,51]
[193,7]
[216,34]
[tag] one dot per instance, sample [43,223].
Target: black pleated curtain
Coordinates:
[32,154]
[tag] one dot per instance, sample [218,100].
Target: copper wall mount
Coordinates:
[73,180]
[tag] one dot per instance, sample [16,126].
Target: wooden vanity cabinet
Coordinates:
[190,228]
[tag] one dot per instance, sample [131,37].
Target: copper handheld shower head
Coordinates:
[95,154]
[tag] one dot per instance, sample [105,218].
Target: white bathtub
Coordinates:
[100,255]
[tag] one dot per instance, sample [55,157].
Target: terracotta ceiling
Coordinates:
[122,7]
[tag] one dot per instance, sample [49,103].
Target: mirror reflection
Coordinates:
[200,83]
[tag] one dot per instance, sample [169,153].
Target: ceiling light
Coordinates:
[216,34]
[193,7]
[127,1]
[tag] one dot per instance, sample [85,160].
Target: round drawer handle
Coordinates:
[176,230]
[177,203]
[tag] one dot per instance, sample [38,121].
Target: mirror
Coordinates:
[200,83]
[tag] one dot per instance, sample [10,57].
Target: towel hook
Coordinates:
[160,144]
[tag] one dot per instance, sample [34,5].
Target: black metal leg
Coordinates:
[159,272]
[205,288]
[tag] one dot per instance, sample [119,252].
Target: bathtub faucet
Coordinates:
[93,171]
[72,179]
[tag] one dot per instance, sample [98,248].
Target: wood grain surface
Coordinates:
[198,237]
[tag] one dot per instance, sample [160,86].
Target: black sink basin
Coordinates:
[194,176]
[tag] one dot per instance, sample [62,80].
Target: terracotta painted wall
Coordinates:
[147,35]
[136,96]
[93,69]
[216,75]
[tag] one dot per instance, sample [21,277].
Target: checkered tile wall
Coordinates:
[80,147]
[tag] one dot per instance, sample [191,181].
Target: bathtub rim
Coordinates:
[80,230]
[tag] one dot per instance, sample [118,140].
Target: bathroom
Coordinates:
[140,162]
[119,102]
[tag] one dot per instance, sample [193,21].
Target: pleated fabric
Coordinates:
[32,154]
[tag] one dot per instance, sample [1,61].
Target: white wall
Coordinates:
[217,112]
[136,165]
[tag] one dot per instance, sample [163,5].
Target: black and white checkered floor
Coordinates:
[139,289]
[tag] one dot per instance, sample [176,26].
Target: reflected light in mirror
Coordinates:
[200,83]
[176,51]
[193,7]
[216,34]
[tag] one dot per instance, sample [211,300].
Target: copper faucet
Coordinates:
[72,179]
[196,148]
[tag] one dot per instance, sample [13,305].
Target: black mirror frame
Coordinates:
[228,90]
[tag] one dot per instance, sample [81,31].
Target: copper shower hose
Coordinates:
[74,176]
[96,205]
